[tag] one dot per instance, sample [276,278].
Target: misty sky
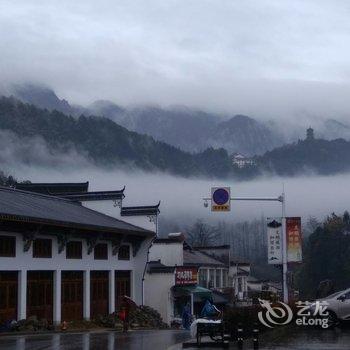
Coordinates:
[262,57]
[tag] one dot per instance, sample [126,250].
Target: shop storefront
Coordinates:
[186,290]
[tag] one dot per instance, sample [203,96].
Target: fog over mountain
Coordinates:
[189,129]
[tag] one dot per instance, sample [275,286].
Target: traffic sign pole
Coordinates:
[282,200]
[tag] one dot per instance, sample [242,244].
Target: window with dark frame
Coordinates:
[7,246]
[124,252]
[42,248]
[74,250]
[101,251]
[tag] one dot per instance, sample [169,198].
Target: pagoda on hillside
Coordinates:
[310,134]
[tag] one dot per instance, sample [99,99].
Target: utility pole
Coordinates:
[284,250]
[282,200]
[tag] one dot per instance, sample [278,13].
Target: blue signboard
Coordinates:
[220,199]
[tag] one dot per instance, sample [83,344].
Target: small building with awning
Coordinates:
[172,278]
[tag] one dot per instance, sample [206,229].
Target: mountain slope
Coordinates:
[194,131]
[42,97]
[244,135]
[316,156]
[188,129]
[105,142]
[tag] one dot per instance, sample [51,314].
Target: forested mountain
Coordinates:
[193,130]
[188,129]
[307,156]
[103,142]
[106,143]
[42,97]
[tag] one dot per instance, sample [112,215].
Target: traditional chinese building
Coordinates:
[178,273]
[241,161]
[61,260]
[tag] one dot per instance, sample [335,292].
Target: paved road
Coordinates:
[311,339]
[300,339]
[138,340]
[304,339]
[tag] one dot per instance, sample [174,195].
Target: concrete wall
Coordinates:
[170,254]
[158,294]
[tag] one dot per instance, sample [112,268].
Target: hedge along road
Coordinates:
[134,340]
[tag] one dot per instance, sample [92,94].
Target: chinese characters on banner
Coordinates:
[294,239]
[186,275]
[274,242]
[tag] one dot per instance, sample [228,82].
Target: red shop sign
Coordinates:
[186,275]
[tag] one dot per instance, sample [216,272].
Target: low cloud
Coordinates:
[181,199]
[34,153]
[262,58]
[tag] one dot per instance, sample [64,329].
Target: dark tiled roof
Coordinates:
[140,210]
[22,206]
[172,238]
[158,267]
[54,188]
[73,191]
[95,196]
[198,258]
[224,246]
[166,240]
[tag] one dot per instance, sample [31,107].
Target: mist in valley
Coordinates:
[182,198]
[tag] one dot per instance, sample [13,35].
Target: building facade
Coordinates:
[61,261]
[178,273]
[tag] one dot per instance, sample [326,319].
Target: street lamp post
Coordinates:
[282,200]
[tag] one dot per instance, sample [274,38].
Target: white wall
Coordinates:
[170,254]
[158,294]
[108,208]
[141,221]
[25,261]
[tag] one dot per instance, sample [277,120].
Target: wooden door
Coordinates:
[123,286]
[8,295]
[40,294]
[72,295]
[99,293]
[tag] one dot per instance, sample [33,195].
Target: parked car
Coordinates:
[338,306]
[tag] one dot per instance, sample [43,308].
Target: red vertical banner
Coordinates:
[294,241]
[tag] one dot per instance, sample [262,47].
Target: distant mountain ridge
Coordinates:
[120,136]
[106,143]
[188,129]
[42,97]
